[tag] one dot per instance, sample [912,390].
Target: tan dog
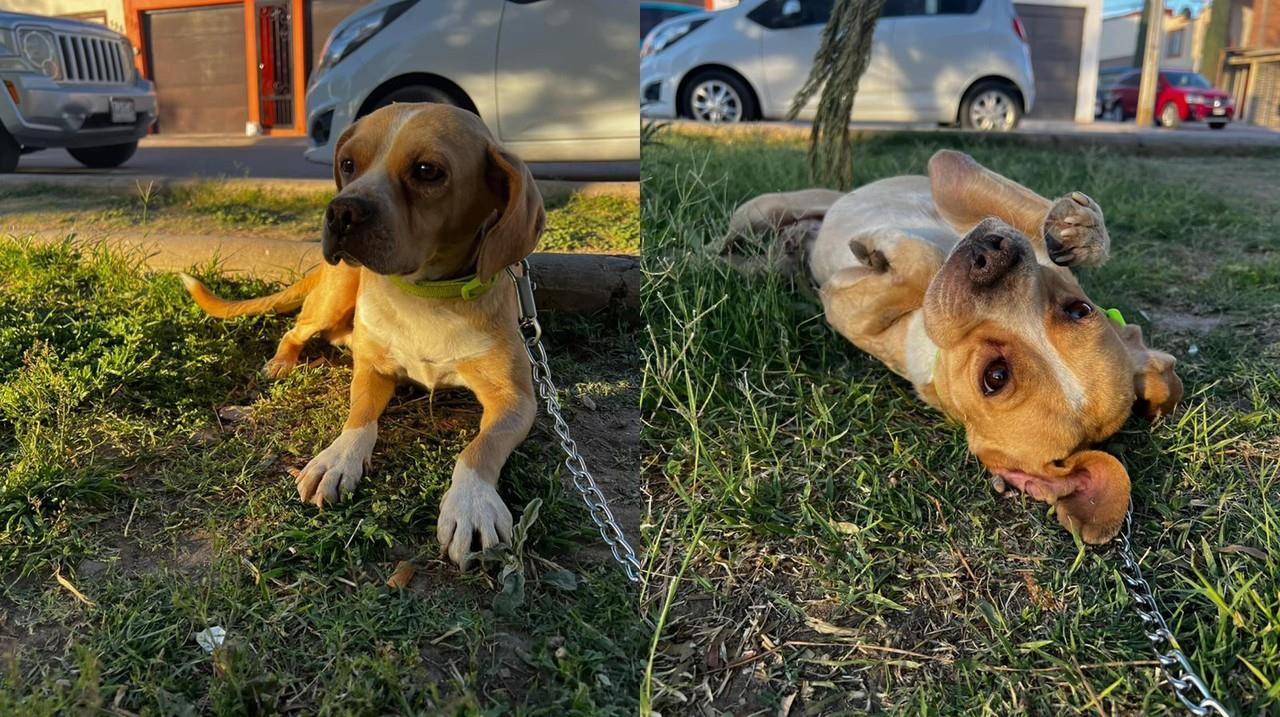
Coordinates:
[957,282]
[425,194]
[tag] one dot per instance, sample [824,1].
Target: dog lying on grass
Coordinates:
[429,213]
[960,282]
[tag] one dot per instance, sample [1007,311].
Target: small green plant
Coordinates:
[145,195]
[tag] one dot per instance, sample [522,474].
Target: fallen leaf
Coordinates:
[1246,550]
[403,575]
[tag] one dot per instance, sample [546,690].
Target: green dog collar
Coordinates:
[1116,316]
[468,288]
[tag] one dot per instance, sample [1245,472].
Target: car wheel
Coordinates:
[112,155]
[718,98]
[1169,116]
[415,93]
[9,152]
[990,107]
[1217,125]
[1115,113]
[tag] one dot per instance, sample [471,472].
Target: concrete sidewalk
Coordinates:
[1190,139]
[276,161]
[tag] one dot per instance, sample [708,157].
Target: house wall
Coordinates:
[1181,42]
[112,11]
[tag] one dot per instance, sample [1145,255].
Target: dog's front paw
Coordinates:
[333,474]
[278,368]
[471,507]
[1074,233]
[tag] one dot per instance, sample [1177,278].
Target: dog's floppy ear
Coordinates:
[1157,389]
[1090,490]
[337,147]
[522,218]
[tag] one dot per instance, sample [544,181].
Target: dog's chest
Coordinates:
[423,341]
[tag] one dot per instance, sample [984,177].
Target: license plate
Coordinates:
[1219,110]
[123,111]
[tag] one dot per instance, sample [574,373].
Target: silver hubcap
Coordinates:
[991,111]
[1169,116]
[715,101]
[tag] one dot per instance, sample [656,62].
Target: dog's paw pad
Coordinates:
[471,510]
[1074,232]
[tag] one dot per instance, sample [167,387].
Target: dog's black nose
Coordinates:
[991,256]
[347,213]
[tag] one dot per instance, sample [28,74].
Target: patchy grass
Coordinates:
[830,546]
[580,223]
[143,462]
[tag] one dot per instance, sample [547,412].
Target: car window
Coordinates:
[908,8]
[1130,80]
[1191,80]
[651,16]
[811,12]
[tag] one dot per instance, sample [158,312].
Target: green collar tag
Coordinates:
[468,288]
[1116,316]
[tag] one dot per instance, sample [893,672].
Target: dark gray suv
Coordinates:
[70,84]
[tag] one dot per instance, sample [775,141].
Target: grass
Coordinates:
[826,545]
[144,498]
[580,223]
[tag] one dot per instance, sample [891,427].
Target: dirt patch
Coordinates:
[1185,323]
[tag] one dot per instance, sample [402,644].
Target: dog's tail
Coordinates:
[773,232]
[283,301]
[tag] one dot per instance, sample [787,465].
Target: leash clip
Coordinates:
[524,293]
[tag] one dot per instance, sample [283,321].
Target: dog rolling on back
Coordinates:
[960,282]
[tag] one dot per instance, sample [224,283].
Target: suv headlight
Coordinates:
[40,50]
[7,46]
[661,39]
[1195,99]
[358,30]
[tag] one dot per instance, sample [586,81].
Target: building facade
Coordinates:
[220,66]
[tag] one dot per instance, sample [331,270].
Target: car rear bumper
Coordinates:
[657,88]
[48,114]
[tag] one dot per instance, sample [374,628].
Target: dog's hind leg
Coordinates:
[328,310]
[472,508]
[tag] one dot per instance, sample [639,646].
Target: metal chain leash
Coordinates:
[1179,673]
[597,504]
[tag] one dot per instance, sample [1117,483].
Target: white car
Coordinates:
[553,79]
[945,61]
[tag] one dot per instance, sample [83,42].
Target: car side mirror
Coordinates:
[791,8]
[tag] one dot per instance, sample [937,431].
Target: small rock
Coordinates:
[233,414]
[586,401]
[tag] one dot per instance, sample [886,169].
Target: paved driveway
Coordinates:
[270,158]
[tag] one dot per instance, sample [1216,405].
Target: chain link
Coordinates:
[597,504]
[1178,671]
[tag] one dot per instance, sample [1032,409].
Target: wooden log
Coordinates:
[585,283]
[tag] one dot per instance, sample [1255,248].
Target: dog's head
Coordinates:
[425,191]
[1037,373]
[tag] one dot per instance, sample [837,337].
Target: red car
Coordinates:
[1181,97]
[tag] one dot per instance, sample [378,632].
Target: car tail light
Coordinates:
[1019,29]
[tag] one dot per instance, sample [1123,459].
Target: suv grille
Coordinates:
[87,58]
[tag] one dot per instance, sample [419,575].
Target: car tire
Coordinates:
[990,107]
[718,97]
[1114,113]
[1169,117]
[414,93]
[112,155]
[1217,125]
[9,152]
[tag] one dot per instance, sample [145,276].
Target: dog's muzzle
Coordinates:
[345,219]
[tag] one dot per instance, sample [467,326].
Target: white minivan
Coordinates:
[554,80]
[948,61]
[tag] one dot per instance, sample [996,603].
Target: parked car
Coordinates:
[1181,96]
[946,61]
[652,13]
[549,78]
[1107,78]
[70,84]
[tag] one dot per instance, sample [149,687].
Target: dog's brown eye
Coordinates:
[427,172]
[1077,310]
[347,166]
[995,376]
